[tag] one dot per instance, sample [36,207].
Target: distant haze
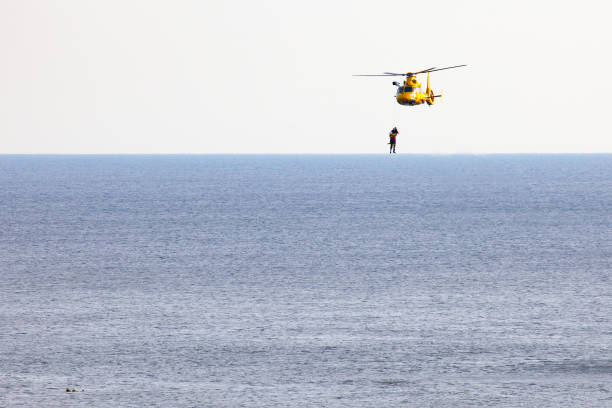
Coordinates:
[182,76]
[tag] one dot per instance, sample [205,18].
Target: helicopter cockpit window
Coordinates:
[408,89]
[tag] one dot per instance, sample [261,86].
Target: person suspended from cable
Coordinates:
[392,139]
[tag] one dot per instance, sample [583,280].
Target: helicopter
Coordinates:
[410,93]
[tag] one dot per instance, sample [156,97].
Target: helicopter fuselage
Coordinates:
[410,93]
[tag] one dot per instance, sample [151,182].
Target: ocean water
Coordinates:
[306,281]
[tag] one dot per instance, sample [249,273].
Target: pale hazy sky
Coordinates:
[135,76]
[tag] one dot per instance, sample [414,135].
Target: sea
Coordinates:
[229,281]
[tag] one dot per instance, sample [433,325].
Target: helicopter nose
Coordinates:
[403,98]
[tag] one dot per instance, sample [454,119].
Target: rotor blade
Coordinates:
[426,70]
[440,69]
[384,75]
[432,69]
[410,73]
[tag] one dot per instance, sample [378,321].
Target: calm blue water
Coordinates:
[306,281]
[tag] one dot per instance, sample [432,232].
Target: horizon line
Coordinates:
[310,154]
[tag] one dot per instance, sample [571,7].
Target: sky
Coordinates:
[275,76]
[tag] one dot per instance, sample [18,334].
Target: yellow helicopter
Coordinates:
[410,93]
